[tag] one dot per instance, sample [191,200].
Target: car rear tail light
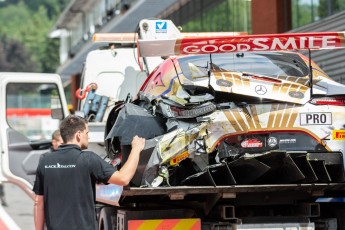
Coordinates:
[262,78]
[267,79]
[336,100]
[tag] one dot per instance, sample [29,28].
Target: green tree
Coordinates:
[301,14]
[29,23]
[53,7]
[35,36]
[51,53]
[14,20]
[8,2]
[14,57]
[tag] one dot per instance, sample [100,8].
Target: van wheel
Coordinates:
[107,219]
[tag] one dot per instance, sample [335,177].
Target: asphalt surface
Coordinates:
[20,207]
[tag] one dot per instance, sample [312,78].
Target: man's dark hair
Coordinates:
[70,126]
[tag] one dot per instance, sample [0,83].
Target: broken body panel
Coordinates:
[233,102]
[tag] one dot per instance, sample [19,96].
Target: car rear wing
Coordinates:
[161,38]
[241,43]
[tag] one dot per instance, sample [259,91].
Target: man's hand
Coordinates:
[138,143]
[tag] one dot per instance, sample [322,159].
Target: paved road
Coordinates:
[20,207]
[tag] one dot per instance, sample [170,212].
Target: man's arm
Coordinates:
[39,212]
[126,173]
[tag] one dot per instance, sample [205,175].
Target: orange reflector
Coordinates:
[166,224]
[115,37]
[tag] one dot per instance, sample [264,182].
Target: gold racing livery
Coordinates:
[243,109]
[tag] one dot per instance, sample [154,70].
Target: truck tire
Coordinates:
[107,219]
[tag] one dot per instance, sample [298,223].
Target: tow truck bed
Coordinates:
[105,193]
[324,187]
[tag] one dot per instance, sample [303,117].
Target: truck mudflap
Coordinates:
[273,168]
[185,224]
[156,219]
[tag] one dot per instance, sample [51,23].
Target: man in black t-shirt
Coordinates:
[65,179]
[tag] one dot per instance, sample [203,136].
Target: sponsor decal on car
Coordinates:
[179,158]
[251,143]
[260,43]
[316,118]
[295,94]
[260,90]
[224,83]
[287,141]
[272,141]
[338,134]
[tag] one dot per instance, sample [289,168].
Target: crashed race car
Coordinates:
[233,110]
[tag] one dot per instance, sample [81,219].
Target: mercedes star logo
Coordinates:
[260,89]
[272,141]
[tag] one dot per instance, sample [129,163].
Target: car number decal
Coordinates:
[316,118]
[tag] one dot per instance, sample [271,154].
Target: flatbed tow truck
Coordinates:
[237,206]
[273,206]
